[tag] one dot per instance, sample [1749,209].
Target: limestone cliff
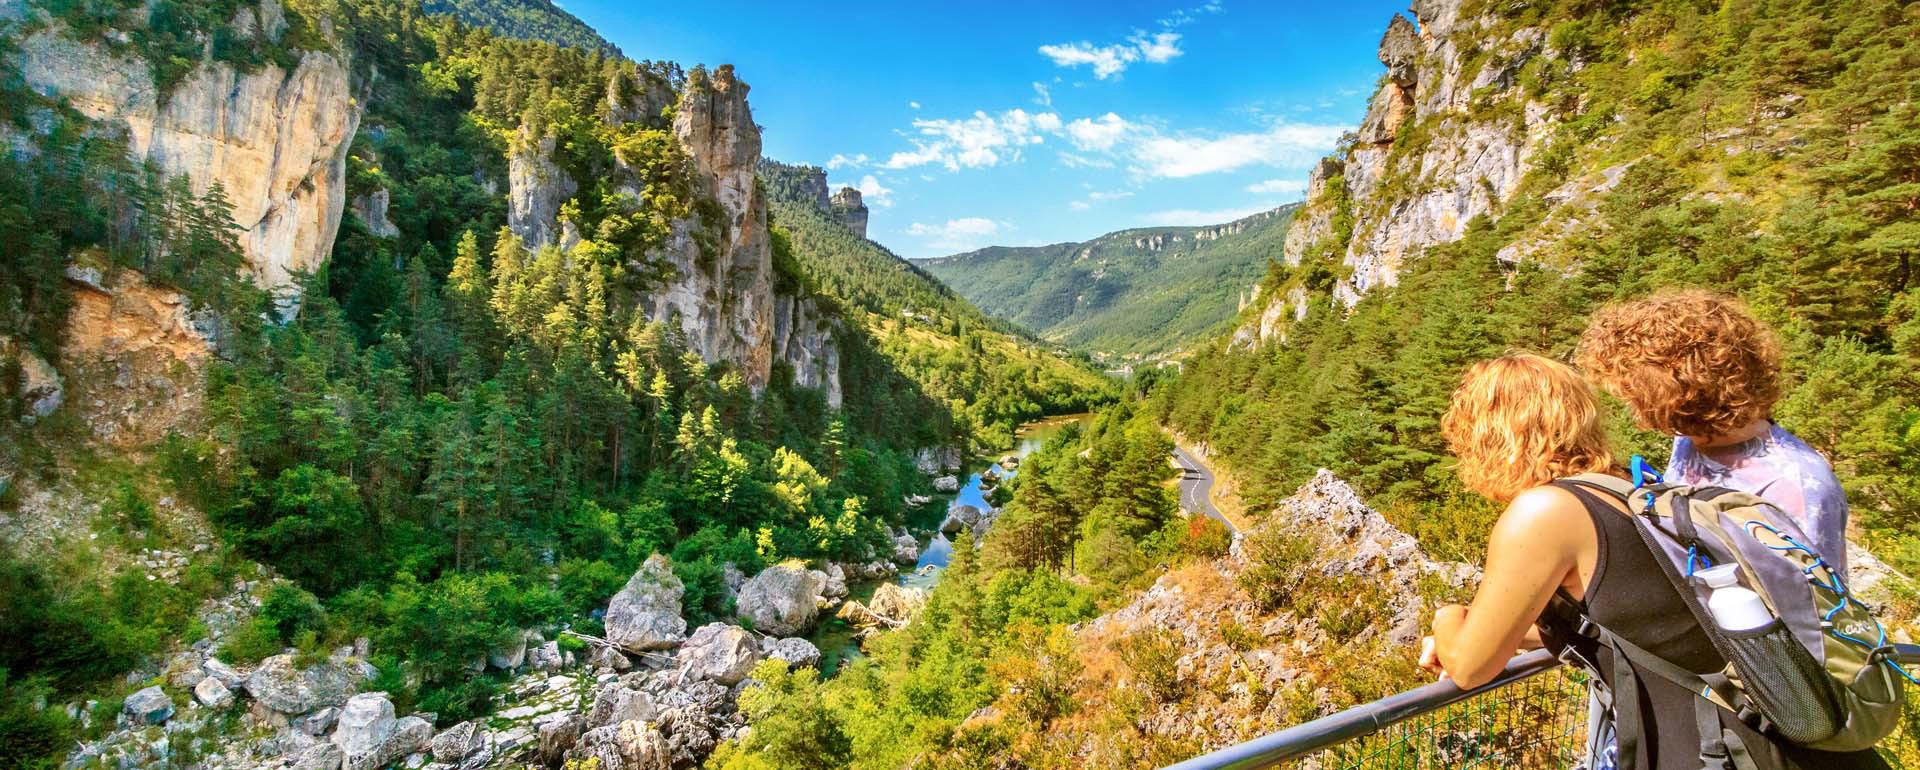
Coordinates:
[274,140]
[1448,136]
[847,207]
[720,287]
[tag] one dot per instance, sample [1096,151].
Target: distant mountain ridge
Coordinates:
[541,20]
[1136,293]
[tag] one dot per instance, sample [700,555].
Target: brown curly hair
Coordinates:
[1522,420]
[1689,362]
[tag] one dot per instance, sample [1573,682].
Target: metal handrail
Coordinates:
[1368,718]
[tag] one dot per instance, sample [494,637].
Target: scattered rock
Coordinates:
[630,745]
[546,657]
[280,685]
[720,652]
[906,550]
[317,722]
[212,694]
[609,658]
[947,484]
[780,601]
[366,725]
[896,602]
[645,615]
[557,737]
[795,651]
[455,744]
[223,672]
[319,756]
[833,581]
[150,706]
[618,703]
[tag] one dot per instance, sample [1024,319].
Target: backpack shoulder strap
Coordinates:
[1608,483]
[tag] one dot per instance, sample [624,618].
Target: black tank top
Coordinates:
[1629,594]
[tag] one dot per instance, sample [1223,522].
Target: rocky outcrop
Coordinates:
[281,685]
[536,189]
[274,140]
[803,339]
[719,289]
[848,208]
[133,357]
[40,387]
[781,600]
[1379,570]
[1465,165]
[892,606]
[645,614]
[371,209]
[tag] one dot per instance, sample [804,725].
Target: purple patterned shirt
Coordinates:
[1781,468]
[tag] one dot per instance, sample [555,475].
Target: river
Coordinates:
[835,637]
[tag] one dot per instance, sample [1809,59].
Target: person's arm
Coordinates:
[1532,548]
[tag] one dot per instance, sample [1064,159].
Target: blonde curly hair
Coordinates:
[1522,420]
[1688,362]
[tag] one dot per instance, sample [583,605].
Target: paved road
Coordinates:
[1196,487]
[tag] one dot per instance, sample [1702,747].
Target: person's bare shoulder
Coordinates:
[1541,516]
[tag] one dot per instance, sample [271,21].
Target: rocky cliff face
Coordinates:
[1448,136]
[848,207]
[274,140]
[721,291]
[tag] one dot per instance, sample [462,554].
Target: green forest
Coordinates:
[1144,291]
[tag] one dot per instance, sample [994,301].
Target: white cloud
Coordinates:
[1043,96]
[1184,16]
[1097,197]
[1161,48]
[873,193]
[913,105]
[1271,186]
[957,234]
[975,142]
[1184,217]
[1110,60]
[1283,144]
[843,161]
[1098,134]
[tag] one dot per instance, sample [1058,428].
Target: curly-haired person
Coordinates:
[1698,366]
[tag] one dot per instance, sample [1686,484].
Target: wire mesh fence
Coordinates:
[1536,724]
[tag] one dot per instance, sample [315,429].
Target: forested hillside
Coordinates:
[541,20]
[922,328]
[1767,148]
[1145,291]
[517,323]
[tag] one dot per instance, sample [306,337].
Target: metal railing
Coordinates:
[1521,719]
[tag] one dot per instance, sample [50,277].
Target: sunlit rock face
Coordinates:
[720,288]
[1466,160]
[275,141]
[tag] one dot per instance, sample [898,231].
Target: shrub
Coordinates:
[1277,567]
[290,610]
[250,642]
[1206,538]
[1239,637]
[1153,656]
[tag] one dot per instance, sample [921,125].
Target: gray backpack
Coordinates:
[1821,675]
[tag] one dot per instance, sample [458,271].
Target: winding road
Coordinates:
[1196,488]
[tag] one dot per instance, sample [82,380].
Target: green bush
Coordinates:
[1153,656]
[1277,566]
[252,641]
[290,610]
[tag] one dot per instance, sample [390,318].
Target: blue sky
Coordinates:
[991,123]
